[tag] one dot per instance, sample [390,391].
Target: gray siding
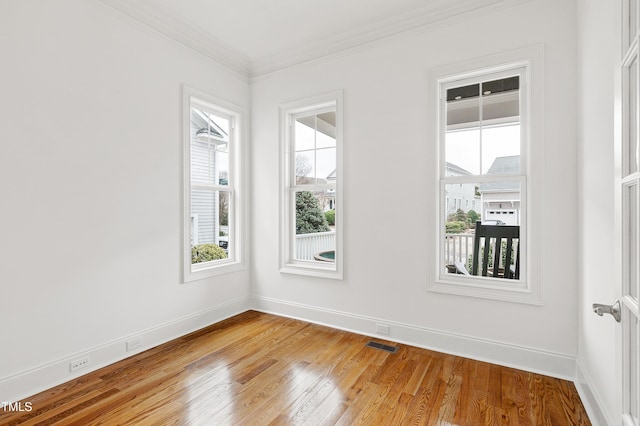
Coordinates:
[203,204]
[203,201]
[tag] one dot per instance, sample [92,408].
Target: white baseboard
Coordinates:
[24,384]
[524,358]
[590,398]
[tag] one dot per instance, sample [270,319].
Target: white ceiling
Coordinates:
[256,37]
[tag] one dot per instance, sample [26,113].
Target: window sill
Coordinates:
[312,270]
[201,272]
[486,288]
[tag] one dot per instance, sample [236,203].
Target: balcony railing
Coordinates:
[457,248]
[308,245]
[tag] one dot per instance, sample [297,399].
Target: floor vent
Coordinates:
[382,347]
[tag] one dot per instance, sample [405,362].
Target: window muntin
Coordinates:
[211,242]
[311,241]
[483,165]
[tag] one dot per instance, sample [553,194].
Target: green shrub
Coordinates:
[206,253]
[455,227]
[330,215]
[503,255]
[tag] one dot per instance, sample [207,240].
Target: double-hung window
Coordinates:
[484,218]
[212,202]
[311,214]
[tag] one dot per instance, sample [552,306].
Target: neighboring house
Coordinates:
[326,198]
[460,196]
[501,200]
[330,194]
[208,140]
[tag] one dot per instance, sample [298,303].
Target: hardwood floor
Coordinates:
[263,369]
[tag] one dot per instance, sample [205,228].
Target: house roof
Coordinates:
[502,165]
[456,169]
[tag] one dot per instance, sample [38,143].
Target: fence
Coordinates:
[457,247]
[309,244]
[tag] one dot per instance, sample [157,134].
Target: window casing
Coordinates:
[212,182]
[311,180]
[487,163]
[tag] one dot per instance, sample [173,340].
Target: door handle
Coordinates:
[613,310]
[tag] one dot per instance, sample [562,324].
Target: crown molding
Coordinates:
[176,29]
[405,23]
[421,16]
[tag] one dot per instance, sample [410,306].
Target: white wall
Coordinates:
[90,188]
[90,146]
[596,342]
[388,191]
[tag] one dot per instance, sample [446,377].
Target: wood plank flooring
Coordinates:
[261,369]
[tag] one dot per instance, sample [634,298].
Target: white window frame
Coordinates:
[235,114]
[528,288]
[288,263]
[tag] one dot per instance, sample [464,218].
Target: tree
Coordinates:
[309,215]
[303,167]
[223,208]
[473,216]
[223,200]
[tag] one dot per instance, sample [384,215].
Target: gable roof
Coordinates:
[456,169]
[502,165]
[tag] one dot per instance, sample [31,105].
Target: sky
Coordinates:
[475,149]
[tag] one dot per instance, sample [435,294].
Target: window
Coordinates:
[486,162]
[211,186]
[311,237]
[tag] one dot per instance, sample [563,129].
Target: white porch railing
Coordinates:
[309,244]
[457,247]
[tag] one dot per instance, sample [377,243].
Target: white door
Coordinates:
[627,181]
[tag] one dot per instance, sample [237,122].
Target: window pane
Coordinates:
[326,135]
[633,234]
[483,125]
[315,148]
[210,232]
[500,125]
[224,210]
[496,205]
[209,148]
[315,239]
[632,143]
[633,24]
[305,169]
[305,135]
[202,206]
[325,164]
[501,99]
[463,106]
[462,152]
[222,161]
[501,149]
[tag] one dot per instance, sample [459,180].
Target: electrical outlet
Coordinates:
[383,329]
[79,364]
[134,343]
